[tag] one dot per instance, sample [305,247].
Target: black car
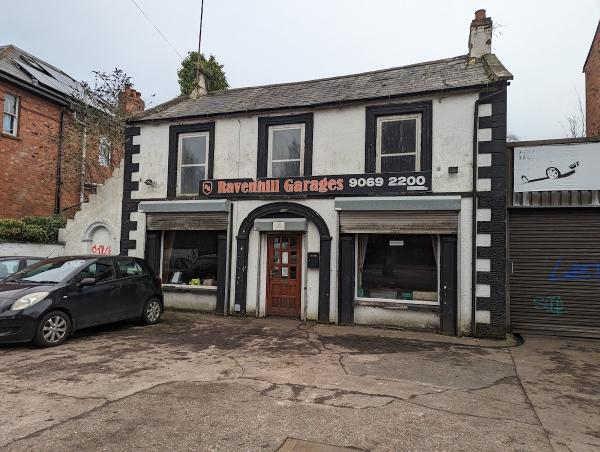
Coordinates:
[47,301]
[12,264]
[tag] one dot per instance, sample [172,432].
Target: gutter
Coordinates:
[58,188]
[474,209]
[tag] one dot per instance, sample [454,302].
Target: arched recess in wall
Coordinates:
[100,238]
[241,271]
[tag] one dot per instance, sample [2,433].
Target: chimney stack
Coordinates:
[130,101]
[480,36]
[200,89]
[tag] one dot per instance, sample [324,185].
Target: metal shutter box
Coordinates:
[214,221]
[399,222]
[555,279]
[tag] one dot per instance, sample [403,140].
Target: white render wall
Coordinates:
[338,145]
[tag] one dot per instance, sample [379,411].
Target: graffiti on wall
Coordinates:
[574,272]
[552,304]
[101,249]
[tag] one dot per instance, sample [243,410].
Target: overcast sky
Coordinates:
[544,44]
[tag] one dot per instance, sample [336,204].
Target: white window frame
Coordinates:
[180,139]
[104,159]
[300,126]
[392,300]
[383,119]
[15,116]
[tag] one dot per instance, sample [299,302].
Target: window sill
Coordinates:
[188,288]
[398,305]
[12,137]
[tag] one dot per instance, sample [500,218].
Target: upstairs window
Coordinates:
[398,143]
[398,138]
[104,151]
[10,119]
[193,162]
[285,146]
[286,150]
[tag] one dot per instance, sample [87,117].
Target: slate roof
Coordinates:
[33,71]
[450,73]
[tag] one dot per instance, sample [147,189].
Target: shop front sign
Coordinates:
[386,184]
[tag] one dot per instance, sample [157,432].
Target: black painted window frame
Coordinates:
[377,111]
[174,132]
[263,140]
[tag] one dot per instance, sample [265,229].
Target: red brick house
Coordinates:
[47,166]
[591,69]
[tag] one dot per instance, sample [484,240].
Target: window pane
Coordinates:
[193,150]
[10,104]
[101,271]
[398,136]
[398,163]
[285,169]
[190,179]
[8,267]
[190,257]
[286,144]
[401,267]
[129,267]
[8,124]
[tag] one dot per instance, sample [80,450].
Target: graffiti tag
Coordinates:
[554,304]
[101,249]
[574,272]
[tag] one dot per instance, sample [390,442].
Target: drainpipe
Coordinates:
[479,101]
[57,191]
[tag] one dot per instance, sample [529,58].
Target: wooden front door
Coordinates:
[284,278]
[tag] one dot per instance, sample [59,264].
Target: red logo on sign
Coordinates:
[207,187]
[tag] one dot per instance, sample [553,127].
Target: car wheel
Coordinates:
[53,329]
[552,173]
[152,311]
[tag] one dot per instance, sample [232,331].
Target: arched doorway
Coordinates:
[241,272]
[99,238]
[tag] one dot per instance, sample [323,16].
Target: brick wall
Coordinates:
[592,89]
[28,163]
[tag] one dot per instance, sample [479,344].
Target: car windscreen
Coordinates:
[48,272]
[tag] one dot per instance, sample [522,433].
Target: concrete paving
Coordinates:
[198,382]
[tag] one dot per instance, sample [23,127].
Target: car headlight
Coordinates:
[28,300]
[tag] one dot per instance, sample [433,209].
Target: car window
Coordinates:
[50,271]
[129,267]
[8,267]
[101,270]
[32,261]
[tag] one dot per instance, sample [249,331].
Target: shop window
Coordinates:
[193,162]
[397,267]
[190,258]
[286,150]
[398,143]
[10,119]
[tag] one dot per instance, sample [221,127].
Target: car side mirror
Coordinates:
[86,282]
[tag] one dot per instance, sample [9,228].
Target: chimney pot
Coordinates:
[480,14]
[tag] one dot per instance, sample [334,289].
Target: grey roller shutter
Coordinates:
[555,277]
[214,221]
[398,222]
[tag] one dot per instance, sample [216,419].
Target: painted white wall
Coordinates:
[368,315]
[464,269]
[236,142]
[8,249]
[154,161]
[103,208]
[452,142]
[339,141]
[189,300]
